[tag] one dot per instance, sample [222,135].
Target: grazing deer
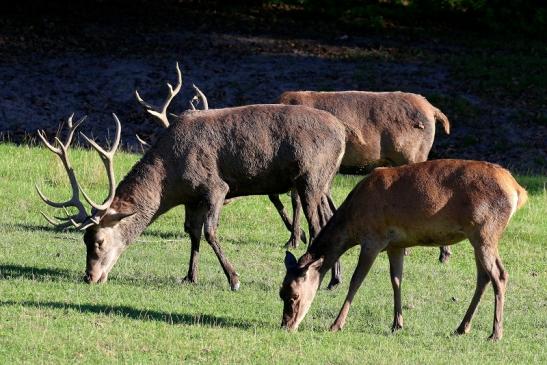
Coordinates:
[383,128]
[420,204]
[161,116]
[202,159]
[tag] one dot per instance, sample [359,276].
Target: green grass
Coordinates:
[143,314]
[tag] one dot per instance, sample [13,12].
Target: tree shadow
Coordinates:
[141,314]
[10,272]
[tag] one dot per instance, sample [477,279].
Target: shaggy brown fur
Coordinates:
[414,205]
[383,128]
[208,156]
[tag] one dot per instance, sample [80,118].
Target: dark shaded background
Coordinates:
[482,62]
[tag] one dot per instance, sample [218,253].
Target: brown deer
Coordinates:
[383,128]
[202,159]
[161,116]
[413,205]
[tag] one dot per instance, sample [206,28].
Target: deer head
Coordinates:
[103,239]
[298,289]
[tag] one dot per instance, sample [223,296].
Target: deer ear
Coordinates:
[290,261]
[316,264]
[112,217]
[312,265]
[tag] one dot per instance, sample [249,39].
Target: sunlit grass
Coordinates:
[144,314]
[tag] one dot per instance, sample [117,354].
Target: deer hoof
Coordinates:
[396,327]
[462,330]
[444,255]
[334,282]
[494,337]
[335,327]
[234,283]
[189,280]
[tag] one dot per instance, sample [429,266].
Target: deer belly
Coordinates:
[259,184]
[426,237]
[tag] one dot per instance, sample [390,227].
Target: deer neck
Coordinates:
[141,192]
[333,240]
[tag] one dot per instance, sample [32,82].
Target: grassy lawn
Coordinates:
[144,313]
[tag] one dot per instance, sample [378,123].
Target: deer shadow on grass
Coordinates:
[140,314]
[11,272]
[180,236]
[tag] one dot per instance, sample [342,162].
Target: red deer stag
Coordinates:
[161,116]
[204,158]
[420,204]
[383,128]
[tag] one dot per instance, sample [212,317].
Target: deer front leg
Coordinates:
[396,259]
[444,254]
[193,225]
[366,259]
[216,200]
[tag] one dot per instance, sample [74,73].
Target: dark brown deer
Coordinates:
[161,116]
[414,205]
[383,128]
[203,158]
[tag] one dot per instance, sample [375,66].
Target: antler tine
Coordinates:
[191,102]
[72,129]
[42,135]
[61,152]
[162,115]
[57,225]
[107,158]
[50,202]
[202,97]
[142,141]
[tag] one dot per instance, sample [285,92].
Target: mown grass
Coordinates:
[144,314]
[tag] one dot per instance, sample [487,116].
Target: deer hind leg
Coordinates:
[214,204]
[482,281]
[296,229]
[487,255]
[366,259]
[396,259]
[292,225]
[193,225]
[310,202]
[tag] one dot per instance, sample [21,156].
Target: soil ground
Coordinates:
[492,89]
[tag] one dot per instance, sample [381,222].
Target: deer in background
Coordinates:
[419,204]
[161,116]
[202,159]
[383,128]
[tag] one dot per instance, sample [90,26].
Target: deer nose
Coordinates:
[87,278]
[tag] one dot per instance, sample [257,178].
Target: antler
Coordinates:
[74,201]
[162,115]
[107,158]
[199,95]
[81,220]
